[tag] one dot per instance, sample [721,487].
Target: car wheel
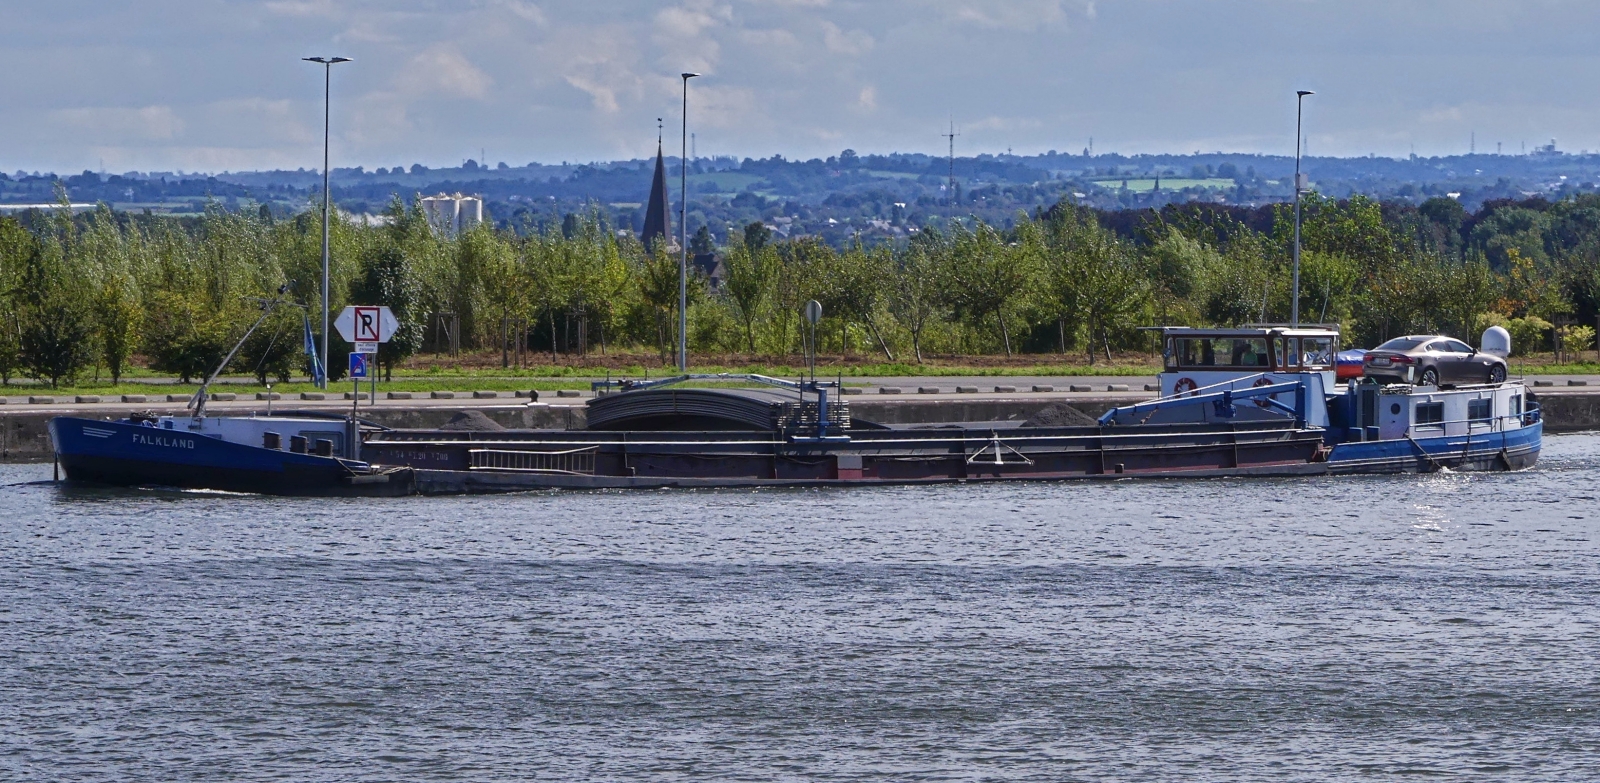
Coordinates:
[1430,377]
[1497,374]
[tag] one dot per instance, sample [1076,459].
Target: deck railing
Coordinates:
[573,461]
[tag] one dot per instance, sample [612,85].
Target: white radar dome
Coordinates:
[1497,341]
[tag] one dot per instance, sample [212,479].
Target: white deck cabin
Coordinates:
[1198,359]
[252,430]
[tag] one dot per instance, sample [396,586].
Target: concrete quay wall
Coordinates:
[24,434]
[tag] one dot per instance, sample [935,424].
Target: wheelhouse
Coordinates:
[1251,349]
[1196,360]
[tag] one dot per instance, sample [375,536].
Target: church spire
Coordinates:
[657,224]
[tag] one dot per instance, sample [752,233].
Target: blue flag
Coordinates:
[317,372]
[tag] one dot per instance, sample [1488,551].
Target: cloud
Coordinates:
[269,120]
[995,123]
[301,8]
[542,80]
[602,62]
[841,42]
[153,123]
[527,12]
[1016,15]
[683,34]
[1441,114]
[441,70]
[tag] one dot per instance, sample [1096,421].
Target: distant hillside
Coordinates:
[845,195]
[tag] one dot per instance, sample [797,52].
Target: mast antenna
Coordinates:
[950,197]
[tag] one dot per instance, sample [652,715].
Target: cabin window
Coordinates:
[1249,352]
[1222,352]
[1191,351]
[1480,411]
[1430,413]
[1282,354]
[1516,405]
[1316,351]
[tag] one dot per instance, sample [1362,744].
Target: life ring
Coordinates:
[1262,401]
[1184,386]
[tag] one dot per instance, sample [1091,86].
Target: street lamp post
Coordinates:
[683,228]
[1294,305]
[327,64]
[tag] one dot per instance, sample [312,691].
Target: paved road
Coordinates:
[993,387]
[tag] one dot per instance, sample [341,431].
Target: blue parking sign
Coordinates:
[358,365]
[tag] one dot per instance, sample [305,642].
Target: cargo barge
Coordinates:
[1264,401]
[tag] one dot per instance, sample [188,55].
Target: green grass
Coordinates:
[1580,368]
[551,378]
[159,391]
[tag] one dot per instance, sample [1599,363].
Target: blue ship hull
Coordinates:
[1508,450]
[120,453]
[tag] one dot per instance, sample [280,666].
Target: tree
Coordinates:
[1093,276]
[57,335]
[386,279]
[756,236]
[658,287]
[702,243]
[915,293]
[747,279]
[16,246]
[863,287]
[182,338]
[273,349]
[984,276]
[117,320]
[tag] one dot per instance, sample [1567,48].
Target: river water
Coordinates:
[1306,629]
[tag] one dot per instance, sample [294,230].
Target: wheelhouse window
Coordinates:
[1480,411]
[1316,351]
[1225,352]
[1284,351]
[1429,413]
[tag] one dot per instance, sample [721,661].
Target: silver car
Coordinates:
[1432,360]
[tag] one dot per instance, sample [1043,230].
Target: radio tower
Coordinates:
[950,197]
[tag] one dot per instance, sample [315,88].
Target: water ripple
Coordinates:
[1309,629]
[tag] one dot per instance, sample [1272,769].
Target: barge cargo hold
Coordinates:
[727,447]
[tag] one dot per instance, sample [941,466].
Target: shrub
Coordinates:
[1578,338]
[1528,334]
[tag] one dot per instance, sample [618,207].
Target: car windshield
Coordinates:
[1400,344]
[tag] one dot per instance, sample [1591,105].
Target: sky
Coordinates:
[213,85]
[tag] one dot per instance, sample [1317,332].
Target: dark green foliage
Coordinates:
[117,321]
[386,279]
[756,236]
[57,322]
[87,289]
[16,245]
[274,349]
[182,338]
[702,243]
